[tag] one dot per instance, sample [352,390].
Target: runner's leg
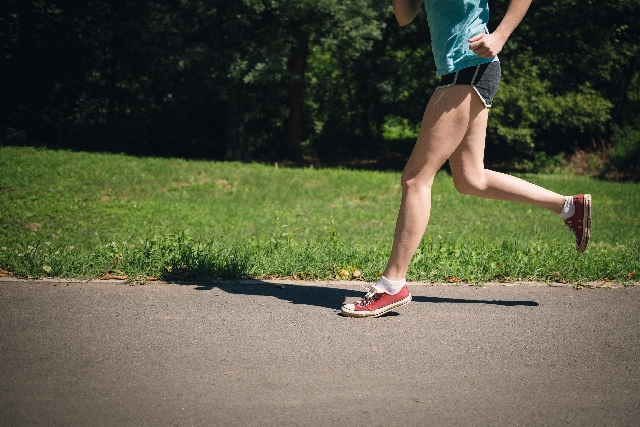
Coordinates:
[471,178]
[446,120]
[453,127]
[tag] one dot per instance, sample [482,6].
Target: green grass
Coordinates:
[171,218]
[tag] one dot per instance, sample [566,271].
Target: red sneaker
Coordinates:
[580,222]
[376,303]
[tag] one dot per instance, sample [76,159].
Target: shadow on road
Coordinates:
[329,297]
[474,301]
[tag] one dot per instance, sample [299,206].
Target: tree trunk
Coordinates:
[26,31]
[624,96]
[236,144]
[27,63]
[113,49]
[297,66]
[111,77]
[236,147]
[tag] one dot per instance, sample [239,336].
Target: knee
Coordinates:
[469,185]
[411,182]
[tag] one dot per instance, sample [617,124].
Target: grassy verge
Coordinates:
[89,215]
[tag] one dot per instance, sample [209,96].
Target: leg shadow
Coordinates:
[474,301]
[329,297]
[319,296]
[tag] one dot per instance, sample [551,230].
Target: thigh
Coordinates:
[445,124]
[467,161]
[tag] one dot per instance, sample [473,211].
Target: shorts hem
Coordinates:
[484,83]
[484,101]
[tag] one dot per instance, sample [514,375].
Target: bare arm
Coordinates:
[405,10]
[489,45]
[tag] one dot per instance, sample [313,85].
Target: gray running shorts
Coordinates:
[484,78]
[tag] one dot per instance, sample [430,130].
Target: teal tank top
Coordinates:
[452,23]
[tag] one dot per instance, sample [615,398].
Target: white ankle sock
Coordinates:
[391,287]
[568,210]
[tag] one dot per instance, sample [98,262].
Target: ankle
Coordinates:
[391,287]
[568,209]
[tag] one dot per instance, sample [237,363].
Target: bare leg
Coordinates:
[444,125]
[454,128]
[471,178]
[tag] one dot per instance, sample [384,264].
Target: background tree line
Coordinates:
[337,81]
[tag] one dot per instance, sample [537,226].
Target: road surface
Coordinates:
[255,354]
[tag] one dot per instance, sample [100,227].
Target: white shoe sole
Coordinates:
[586,224]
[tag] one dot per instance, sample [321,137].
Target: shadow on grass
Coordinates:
[331,297]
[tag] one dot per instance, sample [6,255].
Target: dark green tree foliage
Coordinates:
[570,73]
[274,79]
[625,155]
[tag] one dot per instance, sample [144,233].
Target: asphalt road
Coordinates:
[258,355]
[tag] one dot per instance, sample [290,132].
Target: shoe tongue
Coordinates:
[375,290]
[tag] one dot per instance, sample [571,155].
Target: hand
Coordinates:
[486,45]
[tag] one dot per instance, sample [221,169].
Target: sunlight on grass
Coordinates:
[279,222]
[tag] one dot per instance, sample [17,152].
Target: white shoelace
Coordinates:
[371,292]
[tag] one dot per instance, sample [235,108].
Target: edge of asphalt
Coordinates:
[329,283]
